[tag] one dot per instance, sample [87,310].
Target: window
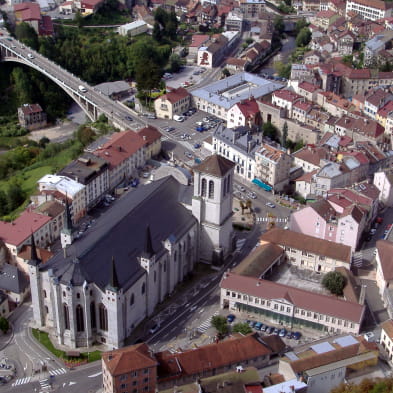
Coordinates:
[146,371]
[80,326]
[78,295]
[103,316]
[66,316]
[44,293]
[203,187]
[143,290]
[225,187]
[93,315]
[211,189]
[132,299]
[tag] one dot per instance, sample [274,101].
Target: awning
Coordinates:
[261,184]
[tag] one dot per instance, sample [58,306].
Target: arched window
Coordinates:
[93,315]
[66,316]
[44,293]
[211,189]
[225,187]
[80,326]
[143,290]
[103,314]
[203,187]
[78,295]
[64,294]
[132,299]
[46,310]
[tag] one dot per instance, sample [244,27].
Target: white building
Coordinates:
[134,28]
[384,182]
[372,10]
[52,184]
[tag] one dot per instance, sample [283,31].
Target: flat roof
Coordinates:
[229,91]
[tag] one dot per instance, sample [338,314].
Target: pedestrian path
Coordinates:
[21,381]
[58,371]
[207,324]
[44,383]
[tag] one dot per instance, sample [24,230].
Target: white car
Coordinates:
[272,205]
[30,56]
[178,118]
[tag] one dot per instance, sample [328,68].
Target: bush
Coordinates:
[334,282]
[242,328]
[4,325]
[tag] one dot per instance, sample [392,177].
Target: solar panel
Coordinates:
[322,347]
[346,341]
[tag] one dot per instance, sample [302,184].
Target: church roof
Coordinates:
[215,165]
[120,233]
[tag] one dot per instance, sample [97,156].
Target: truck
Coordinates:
[82,89]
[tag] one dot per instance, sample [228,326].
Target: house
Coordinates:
[383,180]
[13,283]
[384,274]
[387,338]
[309,253]
[301,110]
[327,364]
[324,19]
[30,13]
[272,166]
[152,138]
[92,172]
[375,100]
[310,157]
[87,7]
[234,64]
[18,233]
[234,21]
[307,90]
[63,188]
[117,90]
[372,10]
[285,99]
[31,117]
[174,102]
[343,42]
[244,113]
[312,57]
[289,306]
[255,52]
[375,45]
[124,153]
[197,40]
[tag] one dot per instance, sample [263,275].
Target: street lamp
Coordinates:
[85,288]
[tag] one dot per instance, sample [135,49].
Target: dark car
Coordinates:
[270,330]
[264,328]
[296,335]
[231,318]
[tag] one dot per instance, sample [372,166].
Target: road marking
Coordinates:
[201,310]
[95,375]
[72,383]
[21,381]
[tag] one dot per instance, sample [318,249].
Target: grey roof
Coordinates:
[109,88]
[12,279]
[84,169]
[229,91]
[120,232]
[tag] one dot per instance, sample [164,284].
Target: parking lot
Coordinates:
[186,77]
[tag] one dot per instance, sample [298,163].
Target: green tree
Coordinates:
[175,62]
[298,145]
[283,70]
[85,135]
[157,34]
[15,196]
[78,19]
[348,60]
[279,24]
[225,72]
[22,86]
[43,142]
[334,282]
[284,134]
[242,328]
[220,323]
[3,203]
[270,130]
[26,34]
[300,24]
[4,325]
[304,37]
[147,76]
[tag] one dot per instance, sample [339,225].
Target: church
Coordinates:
[98,288]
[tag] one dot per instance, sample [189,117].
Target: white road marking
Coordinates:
[95,375]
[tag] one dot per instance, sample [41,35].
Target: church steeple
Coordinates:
[113,284]
[148,250]
[68,221]
[67,233]
[34,260]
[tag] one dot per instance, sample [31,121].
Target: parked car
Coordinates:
[258,326]
[282,333]
[264,328]
[270,330]
[276,331]
[230,318]
[197,145]
[289,335]
[252,324]
[270,204]
[296,335]
[372,231]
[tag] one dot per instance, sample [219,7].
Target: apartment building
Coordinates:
[152,139]
[272,166]
[124,153]
[308,252]
[92,172]
[370,9]
[244,113]
[289,306]
[387,338]
[174,102]
[383,180]
[252,8]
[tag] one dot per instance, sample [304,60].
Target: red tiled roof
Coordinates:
[308,87]
[120,147]
[149,134]
[249,108]
[237,62]
[17,231]
[312,154]
[387,326]
[29,11]
[386,109]
[91,3]
[198,39]
[125,360]
[28,109]
[316,302]
[42,253]
[175,95]
[325,14]
[303,105]
[286,95]
[307,176]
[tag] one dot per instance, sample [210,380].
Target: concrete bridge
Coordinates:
[91,100]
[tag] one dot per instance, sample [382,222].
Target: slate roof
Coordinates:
[120,232]
[215,165]
[12,279]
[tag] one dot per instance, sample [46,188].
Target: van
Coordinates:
[82,89]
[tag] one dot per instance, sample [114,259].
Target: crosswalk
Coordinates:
[58,371]
[21,381]
[44,383]
[206,325]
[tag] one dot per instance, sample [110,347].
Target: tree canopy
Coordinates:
[334,282]
[379,385]
[243,328]
[220,323]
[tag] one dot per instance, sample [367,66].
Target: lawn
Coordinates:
[43,339]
